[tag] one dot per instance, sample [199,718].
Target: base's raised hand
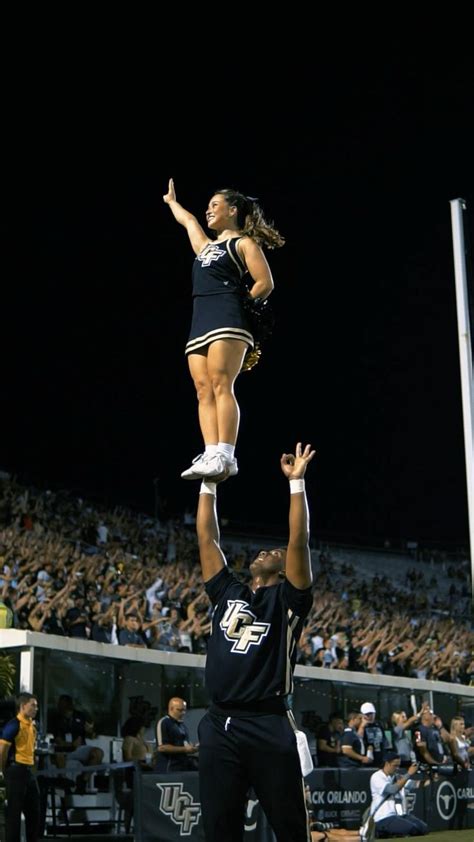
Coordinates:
[294,465]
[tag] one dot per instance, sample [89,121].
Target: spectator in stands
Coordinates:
[201,629]
[305,653]
[436,647]
[403,742]
[459,745]
[175,751]
[388,808]
[166,637]
[77,618]
[352,745]
[6,616]
[429,739]
[155,594]
[373,734]
[329,740]
[102,534]
[104,628]
[131,634]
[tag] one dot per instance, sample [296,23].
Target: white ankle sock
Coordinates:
[227,450]
[210,450]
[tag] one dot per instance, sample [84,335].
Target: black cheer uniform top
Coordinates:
[218,268]
[252,648]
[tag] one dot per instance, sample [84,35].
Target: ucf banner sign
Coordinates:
[168,808]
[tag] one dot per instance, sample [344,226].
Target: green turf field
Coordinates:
[445,836]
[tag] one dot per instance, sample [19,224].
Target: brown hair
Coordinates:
[250,219]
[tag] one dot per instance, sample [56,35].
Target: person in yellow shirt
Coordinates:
[17,764]
[6,616]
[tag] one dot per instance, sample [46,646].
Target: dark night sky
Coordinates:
[357,169]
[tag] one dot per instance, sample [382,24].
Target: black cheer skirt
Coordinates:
[218,317]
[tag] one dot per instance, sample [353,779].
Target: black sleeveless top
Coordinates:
[218,268]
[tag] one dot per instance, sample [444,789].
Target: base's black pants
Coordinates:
[237,753]
[23,797]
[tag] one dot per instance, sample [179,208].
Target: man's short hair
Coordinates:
[23,699]
[352,714]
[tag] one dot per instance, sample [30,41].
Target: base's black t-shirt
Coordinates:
[252,649]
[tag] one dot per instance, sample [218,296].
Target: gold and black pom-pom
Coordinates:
[262,320]
[252,357]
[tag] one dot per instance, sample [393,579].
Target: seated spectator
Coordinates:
[135,747]
[71,728]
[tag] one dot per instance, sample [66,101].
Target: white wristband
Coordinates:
[208,488]
[296,486]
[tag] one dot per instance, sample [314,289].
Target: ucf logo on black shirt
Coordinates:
[210,253]
[241,628]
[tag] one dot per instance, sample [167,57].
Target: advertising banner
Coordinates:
[168,808]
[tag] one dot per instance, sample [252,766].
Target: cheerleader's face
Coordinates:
[219,214]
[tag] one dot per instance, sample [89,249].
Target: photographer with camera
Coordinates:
[388,807]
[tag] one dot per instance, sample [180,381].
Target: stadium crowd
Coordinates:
[70,568]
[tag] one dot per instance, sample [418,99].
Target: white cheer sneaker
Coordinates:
[207,467]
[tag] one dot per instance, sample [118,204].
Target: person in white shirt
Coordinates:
[387,808]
